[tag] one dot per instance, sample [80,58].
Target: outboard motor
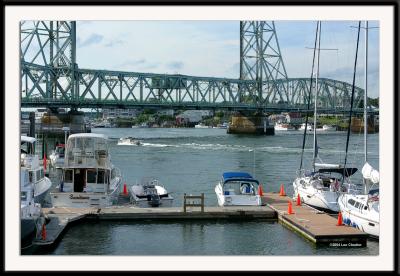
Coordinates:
[155,200]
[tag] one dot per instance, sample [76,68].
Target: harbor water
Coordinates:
[191,161]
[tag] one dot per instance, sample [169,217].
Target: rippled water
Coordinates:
[192,161]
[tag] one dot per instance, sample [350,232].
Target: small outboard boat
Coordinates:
[150,193]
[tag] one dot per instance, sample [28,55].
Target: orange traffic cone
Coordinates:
[282,191]
[260,191]
[339,220]
[298,203]
[290,210]
[125,190]
[44,232]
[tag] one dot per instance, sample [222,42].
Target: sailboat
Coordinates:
[361,210]
[321,186]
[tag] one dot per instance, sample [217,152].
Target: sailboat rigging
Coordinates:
[319,188]
[362,210]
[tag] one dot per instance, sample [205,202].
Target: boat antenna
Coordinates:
[309,99]
[351,102]
[316,98]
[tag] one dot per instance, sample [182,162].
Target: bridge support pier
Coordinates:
[250,124]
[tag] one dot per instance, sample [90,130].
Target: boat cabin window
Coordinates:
[351,201]
[113,174]
[41,173]
[31,176]
[357,204]
[38,175]
[68,176]
[24,196]
[91,176]
[100,177]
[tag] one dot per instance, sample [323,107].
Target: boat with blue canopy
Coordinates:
[238,188]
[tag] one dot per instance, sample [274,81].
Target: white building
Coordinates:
[193,116]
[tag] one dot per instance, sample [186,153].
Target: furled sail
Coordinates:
[370,173]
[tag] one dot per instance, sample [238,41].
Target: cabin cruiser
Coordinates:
[57,156]
[129,141]
[238,188]
[88,177]
[150,193]
[32,218]
[36,175]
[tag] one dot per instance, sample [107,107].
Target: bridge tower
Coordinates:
[52,45]
[261,60]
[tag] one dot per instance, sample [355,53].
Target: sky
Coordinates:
[211,48]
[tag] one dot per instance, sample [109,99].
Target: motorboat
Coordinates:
[201,125]
[57,156]
[283,127]
[238,188]
[89,179]
[36,175]
[150,193]
[328,128]
[303,126]
[32,218]
[361,210]
[129,141]
[223,126]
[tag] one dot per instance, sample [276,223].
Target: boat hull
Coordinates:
[41,189]
[324,200]
[84,199]
[28,231]
[364,220]
[236,200]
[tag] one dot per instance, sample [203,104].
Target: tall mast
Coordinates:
[315,97]
[309,98]
[365,92]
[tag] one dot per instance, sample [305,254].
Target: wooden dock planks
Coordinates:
[315,225]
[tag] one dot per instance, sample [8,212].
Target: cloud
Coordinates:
[115,43]
[137,65]
[175,65]
[92,39]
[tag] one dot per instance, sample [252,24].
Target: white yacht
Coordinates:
[32,218]
[129,141]
[36,176]
[150,193]
[361,210]
[57,156]
[321,188]
[238,188]
[89,178]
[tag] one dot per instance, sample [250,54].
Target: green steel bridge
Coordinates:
[50,77]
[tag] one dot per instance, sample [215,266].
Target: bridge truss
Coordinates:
[50,77]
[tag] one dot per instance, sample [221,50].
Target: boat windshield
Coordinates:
[82,148]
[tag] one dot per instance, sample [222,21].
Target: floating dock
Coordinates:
[314,225]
